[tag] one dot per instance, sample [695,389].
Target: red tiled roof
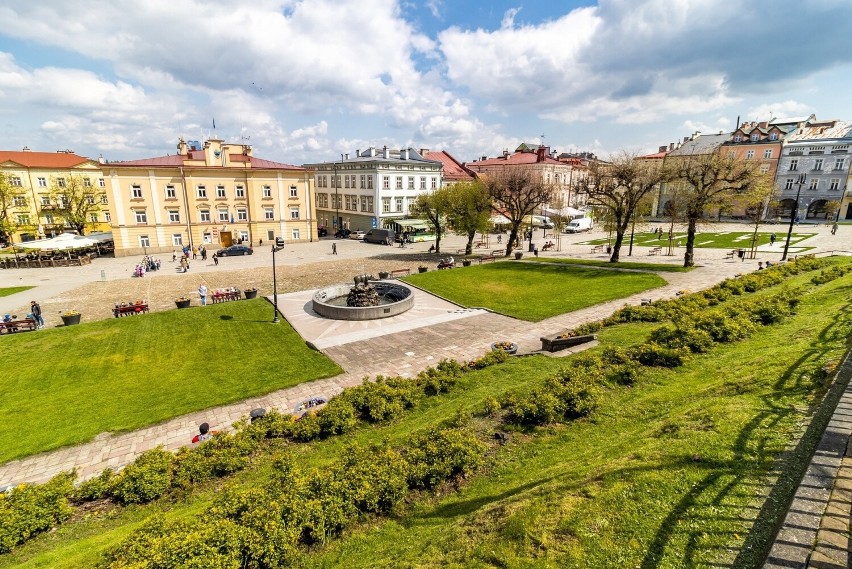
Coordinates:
[654,155]
[517,159]
[454,171]
[42,159]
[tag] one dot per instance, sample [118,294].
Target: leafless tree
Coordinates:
[517,193]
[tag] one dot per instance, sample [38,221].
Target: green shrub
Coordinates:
[440,379]
[384,399]
[442,454]
[276,425]
[307,427]
[490,406]
[624,374]
[145,479]
[489,359]
[376,478]
[589,328]
[222,455]
[724,328]
[540,407]
[578,392]
[31,509]
[95,488]
[683,335]
[655,355]
[734,286]
[336,418]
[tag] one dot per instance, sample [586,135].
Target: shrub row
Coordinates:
[265,526]
[28,510]
[828,275]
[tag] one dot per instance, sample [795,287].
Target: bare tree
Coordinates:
[517,193]
[74,199]
[707,180]
[754,202]
[469,210]
[434,208]
[617,188]
[11,197]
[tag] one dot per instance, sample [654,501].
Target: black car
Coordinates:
[234,250]
[322,231]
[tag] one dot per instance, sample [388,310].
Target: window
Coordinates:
[764,168]
[60,182]
[369,182]
[90,199]
[385,205]
[220,192]
[177,239]
[141,216]
[794,165]
[295,234]
[294,192]
[738,138]
[101,183]
[386,182]
[240,191]
[818,164]
[144,241]
[42,182]
[19,201]
[174,216]
[104,200]
[788,185]
[23,219]
[814,184]
[773,136]
[732,154]
[364,204]
[107,217]
[15,181]
[755,137]
[346,181]
[223,214]
[398,204]
[270,234]
[267,191]
[268,213]
[434,183]
[422,182]
[835,184]
[49,219]
[242,214]
[87,183]
[363,181]
[63,201]
[399,182]
[838,164]
[369,200]
[750,154]
[201,192]
[136,192]
[170,192]
[207,238]
[411,182]
[294,213]
[244,235]
[767,153]
[204,215]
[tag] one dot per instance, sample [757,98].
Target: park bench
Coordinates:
[598,249]
[129,309]
[226,296]
[400,273]
[731,254]
[486,258]
[25,325]
[498,252]
[655,251]
[479,244]
[461,251]
[562,340]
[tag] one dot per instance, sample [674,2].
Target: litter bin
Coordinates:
[608,249]
[741,253]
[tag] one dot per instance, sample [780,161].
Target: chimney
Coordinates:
[763,125]
[358,153]
[385,152]
[372,152]
[505,153]
[181,147]
[484,158]
[424,152]
[540,154]
[26,149]
[346,156]
[671,146]
[101,159]
[685,139]
[403,154]
[662,148]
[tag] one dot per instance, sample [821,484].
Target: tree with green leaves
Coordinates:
[616,188]
[12,198]
[470,210]
[754,201]
[517,193]
[433,207]
[74,199]
[706,180]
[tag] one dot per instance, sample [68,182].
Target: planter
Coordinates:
[554,343]
[250,294]
[518,255]
[422,269]
[466,262]
[183,303]
[512,349]
[71,320]
[384,275]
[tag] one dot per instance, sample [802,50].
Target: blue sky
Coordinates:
[304,81]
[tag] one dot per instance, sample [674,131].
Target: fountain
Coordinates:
[368,299]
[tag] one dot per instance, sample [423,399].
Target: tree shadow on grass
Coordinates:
[465,507]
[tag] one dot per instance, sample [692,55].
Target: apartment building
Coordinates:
[212,194]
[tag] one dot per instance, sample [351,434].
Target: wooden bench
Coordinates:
[461,251]
[486,258]
[479,244]
[730,254]
[655,251]
[226,296]
[598,249]
[498,252]
[25,325]
[129,310]
[400,273]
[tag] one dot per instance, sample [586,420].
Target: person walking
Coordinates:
[35,309]
[202,293]
[834,228]
[215,259]
[334,248]
[772,239]
[183,263]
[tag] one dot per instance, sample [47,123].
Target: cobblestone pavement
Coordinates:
[312,266]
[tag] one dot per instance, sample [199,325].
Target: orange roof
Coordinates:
[454,171]
[516,159]
[42,159]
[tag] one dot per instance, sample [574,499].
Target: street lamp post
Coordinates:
[336,201]
[275,319]
[793,215]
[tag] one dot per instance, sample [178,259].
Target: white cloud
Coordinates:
[779,110]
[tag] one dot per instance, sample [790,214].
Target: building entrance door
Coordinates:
[226,238]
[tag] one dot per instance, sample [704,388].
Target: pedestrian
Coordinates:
[174,255]
[183,263]
[35,309]
[203,253]
[202,293]
[334,248]
[499,238]
[194,253]
[215,259]
[834,228]
[772,239]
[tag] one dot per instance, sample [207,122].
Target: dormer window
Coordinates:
[738,138]
[773,136]
[755,137]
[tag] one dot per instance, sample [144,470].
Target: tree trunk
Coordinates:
[437,238]
[513,235]
[689,255]
[471,235]
[616,248]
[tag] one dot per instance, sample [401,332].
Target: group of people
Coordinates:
[147,264]
[34,315]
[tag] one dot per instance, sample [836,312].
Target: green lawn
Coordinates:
[7,291]
[669,473]
[533,291]
[639,266]
[713,240]
[63,386]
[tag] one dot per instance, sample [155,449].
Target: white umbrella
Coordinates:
[499,219]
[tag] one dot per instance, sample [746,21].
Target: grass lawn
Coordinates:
[672,472]
[639,266]
[711,240]
[13,290]
[63,386]
[533,291]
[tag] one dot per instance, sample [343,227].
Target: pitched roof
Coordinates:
[454,171]
[821,131]
[30,159]
[176,160]
[702,144]
[516,159]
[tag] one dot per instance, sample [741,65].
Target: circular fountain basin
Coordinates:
[396,298]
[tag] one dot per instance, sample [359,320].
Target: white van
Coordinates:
[580,224]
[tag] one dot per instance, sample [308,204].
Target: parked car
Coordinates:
[322,231]
[357,235]
[580,224]
[383,236]
[234,250]
[342,233]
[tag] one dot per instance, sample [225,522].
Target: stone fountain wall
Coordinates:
[396,289]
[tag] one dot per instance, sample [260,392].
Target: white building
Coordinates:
[372,188]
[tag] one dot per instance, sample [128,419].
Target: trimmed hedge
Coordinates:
[29,510]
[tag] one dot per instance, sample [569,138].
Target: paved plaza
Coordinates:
[404,345]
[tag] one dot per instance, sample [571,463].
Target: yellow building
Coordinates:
[213,194]
[34,180]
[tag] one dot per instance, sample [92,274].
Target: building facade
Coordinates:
[31,213]
[815,166]
[213,194]
[373,188]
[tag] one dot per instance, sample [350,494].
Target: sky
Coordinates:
[304,81]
